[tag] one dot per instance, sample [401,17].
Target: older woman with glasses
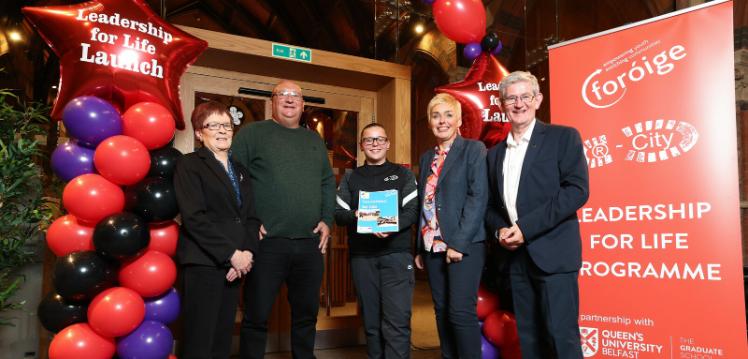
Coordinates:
[219,234]
[453,193]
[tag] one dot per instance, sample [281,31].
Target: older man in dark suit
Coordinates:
[538,180]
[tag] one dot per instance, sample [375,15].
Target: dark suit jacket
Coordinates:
[213,224]
[461,194]
[553,185]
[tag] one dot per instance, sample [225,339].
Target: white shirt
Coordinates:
[512,169]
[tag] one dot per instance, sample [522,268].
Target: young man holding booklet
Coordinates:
[381,259]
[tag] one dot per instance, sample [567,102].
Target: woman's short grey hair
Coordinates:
[519,76]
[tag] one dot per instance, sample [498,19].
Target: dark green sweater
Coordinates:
[291,177]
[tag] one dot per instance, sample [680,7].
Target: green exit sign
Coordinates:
[292,52]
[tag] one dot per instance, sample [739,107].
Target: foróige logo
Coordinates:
[600,92]
[590,341]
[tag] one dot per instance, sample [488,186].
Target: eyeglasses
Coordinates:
[511,100]
[214,126]
[289,94]
[368,141]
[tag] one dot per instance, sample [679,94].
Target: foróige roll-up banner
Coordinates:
[655,105]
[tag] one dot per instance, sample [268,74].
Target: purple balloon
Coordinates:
[164,308]
[472,51]
[150,340]
[91,120]
[498,48]
[70,160]
[488,351]
[428,2]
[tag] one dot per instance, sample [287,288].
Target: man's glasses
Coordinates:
[214,126]
[511,100]
[288,94]
[368,141]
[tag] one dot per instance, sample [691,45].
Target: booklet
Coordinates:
[377,212]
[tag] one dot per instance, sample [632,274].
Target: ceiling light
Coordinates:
[15,36]
[418,29]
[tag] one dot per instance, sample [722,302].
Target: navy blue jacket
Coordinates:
[553,185]
[461,194]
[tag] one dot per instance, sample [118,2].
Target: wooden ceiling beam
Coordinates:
[233,8]
[278,11]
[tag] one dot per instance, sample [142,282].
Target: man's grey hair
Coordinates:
[519,76]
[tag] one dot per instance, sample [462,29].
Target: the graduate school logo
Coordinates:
[590,341]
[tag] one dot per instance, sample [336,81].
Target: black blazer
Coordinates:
[553,185]
[461,194]
[213,225]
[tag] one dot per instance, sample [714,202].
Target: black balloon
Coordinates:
[163,161]
[55,313]
[153,199]
[80,276]
[121,235]
[490,41]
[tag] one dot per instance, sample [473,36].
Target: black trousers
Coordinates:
[298,263]
[209,304]
[384,287]
[546,306]
[454,289]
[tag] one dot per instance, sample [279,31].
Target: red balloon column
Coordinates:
[120,68]
[464,21]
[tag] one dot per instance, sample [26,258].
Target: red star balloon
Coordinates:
[118,50]
[478,93]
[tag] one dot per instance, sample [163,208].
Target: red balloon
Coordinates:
[512,351]
[66,235]
[482,116]
[90,198]
[463,21]
[80,341]
[500,328]
[164,237]
[151,274]
[102,56]
[122,160]
[488,302]
[150,123]
[116,312]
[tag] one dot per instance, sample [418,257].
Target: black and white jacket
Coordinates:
[371,178]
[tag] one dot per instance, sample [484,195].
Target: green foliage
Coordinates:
[24,211]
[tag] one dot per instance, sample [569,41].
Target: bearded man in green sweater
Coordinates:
[295,201]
